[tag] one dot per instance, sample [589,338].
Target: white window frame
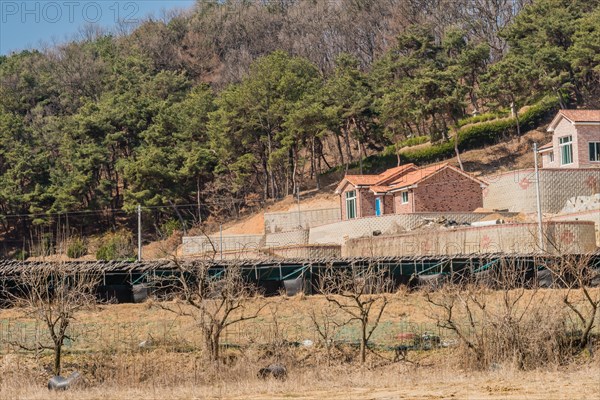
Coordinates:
[595,153]
[564,143]
[351,204]
[402,199]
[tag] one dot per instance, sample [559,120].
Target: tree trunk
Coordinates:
[515,113]
[57,356]
[339,145]
[457,152]
[269,170]
[360,157]
[348,150]
[198,198]
[363,342]
[585,335]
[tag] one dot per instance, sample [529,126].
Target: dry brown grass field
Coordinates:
[106,350]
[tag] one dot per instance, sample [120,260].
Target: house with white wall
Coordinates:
[575,140]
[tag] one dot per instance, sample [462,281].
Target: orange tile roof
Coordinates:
[360,180]
[418,175]
[546,146]
[379,189]
[393,172]
[582,115]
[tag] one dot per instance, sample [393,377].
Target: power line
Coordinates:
[213,201]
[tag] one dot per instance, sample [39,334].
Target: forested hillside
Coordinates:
[238,102]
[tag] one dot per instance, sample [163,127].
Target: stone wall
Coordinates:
[515,190]
[305,219]
[338,232]
[574,237]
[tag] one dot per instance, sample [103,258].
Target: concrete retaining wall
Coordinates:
[387,224]
[299,237]
[561,237]
[592,216]
[516,190]
[305,219]
[193,245]
[309,252]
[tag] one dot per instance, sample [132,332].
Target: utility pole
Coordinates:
[538,198]
[139,217]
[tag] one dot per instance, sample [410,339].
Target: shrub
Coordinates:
[116,246]
[77,248]
[479,118]
[21,255]
[413,141]
[170,226]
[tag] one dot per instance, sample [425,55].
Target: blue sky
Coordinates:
[25,24]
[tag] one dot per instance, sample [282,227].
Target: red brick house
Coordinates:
[575,141]
[408,189]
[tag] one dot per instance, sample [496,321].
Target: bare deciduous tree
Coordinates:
[360,293]
[216,300]
[501,319]
[52,294]
[326,321]
[576,275]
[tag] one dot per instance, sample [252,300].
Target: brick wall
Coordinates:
[366,203]
[403,208]
[388,201]
[587,134]
[448,190]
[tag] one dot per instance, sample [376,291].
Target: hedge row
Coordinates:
[478,118]
[470,137]
[413,141]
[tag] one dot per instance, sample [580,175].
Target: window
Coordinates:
[595,151]
[551,156]
[566,150]
[404,197]
[351,204]
[378,206]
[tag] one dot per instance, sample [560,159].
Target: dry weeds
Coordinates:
[173,367]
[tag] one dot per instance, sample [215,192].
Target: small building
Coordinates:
[408,189]
[575,141]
